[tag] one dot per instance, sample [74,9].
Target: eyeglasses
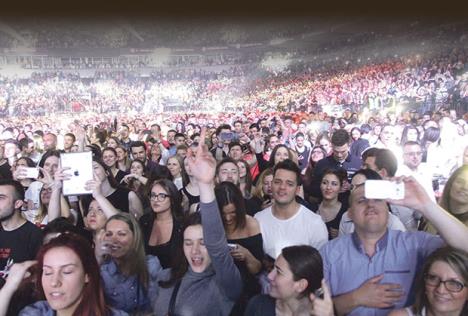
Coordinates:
[451,285]
[158,197]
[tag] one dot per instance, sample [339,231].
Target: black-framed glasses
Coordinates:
[158,197]
[451,285]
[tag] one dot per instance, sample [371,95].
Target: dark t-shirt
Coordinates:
[5,171]
[20,244]
[119,199]
[261,305]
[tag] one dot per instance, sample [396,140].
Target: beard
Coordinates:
[6,217]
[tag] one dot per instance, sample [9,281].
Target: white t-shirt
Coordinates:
[347,225]
[303,228]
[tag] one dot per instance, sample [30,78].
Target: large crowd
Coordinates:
[311,190]
[254,213]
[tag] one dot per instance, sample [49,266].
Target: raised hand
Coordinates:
[322,306]
[203,164]
[59,176]
[17,273]
[94,186]
[415,195]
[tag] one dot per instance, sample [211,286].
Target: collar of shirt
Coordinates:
[381,243]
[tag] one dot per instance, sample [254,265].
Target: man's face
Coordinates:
[170,137]
[139,153]
[263,123]
[7,202]
[254,131]
[238,127]
[124,132]
[369,163]
[273,142]
[30,148]
[368,215]
[300,141]
[68,142]
[412,156]
[228,172]
[49,142]
[179,141]
[10,150]
[284,187]
[235,153]
[340,153]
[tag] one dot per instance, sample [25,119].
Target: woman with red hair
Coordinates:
[69,279]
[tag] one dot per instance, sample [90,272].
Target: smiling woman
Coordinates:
[441,288]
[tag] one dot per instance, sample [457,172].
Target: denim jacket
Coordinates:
[125,292]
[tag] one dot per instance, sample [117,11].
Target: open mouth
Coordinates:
[197,261]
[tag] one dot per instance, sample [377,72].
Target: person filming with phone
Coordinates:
[383,262]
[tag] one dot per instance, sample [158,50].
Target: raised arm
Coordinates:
[452,231]
[106,206]
[203,166]
[17,273]
[58,206]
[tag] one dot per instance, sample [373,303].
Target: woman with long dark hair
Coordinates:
[295,281]
[162,227]
[205,280]
[244,238]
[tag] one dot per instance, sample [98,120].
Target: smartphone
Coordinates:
[383,189]
[232,246]
[32,173]
[319,293]
[81,170]
[226,136]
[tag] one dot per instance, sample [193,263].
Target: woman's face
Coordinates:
[440,299]
[459,193]
[155,151]
[317,155]
[242,169]
[355,134]
[174,167]
[195,250]
[267,182]
[121,154]
[63,279]
[112,143]
[282,284]
[325,143]
[95,219]
[119,237]
[51,165]
[99,171]
[281,154]
[229,214]
[158,203]
[45,195]
[136,168]
[109,158]
[330,187]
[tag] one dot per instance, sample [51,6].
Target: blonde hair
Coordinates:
[136,258]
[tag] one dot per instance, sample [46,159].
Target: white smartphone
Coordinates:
[81,170]
[32,173]
[383,189]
